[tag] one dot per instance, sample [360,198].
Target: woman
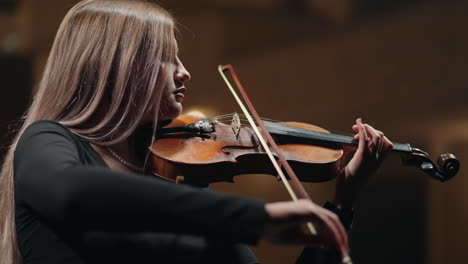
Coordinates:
[74,187]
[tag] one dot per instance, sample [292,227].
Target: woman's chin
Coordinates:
[177,111]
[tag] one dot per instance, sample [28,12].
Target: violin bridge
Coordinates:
[236,125]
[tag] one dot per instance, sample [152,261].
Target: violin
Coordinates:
[201,151]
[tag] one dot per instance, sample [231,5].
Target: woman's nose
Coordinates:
[182,73]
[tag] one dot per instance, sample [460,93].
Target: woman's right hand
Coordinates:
[286,222]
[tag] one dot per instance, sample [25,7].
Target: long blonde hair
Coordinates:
[102,75]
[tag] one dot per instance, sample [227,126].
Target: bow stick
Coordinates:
[264,134]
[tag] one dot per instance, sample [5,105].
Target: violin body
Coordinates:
[202,158]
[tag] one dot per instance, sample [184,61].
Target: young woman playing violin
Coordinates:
[75,187]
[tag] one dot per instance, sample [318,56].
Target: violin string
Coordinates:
[230,115]
[318,135]
[275,123]
[226,119]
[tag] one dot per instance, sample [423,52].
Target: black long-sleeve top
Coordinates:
[71,208]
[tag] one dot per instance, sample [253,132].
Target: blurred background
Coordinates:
[398,64]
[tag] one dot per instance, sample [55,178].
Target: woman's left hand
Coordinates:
[372,149]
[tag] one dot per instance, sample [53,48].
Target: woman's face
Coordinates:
[173,96]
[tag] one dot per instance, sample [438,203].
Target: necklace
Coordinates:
[124,162]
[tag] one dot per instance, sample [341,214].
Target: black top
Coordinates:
[71,208]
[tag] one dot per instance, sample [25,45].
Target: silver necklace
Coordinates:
[124,162]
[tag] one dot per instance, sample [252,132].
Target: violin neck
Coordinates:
[330,140]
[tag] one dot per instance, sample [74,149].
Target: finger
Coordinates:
[344,234]
[375,138]
[335,229]
[356,136]
[330,222]
[324,219]
[283,216]
[384,145]
[346,259]
[371,131]
[387,143]
[363,138]
[379,148]
[344,246]
[387,146]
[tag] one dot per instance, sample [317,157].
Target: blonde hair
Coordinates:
[103,74]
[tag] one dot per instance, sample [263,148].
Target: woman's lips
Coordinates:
[179,94]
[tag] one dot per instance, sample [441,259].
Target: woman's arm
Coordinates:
[51,180]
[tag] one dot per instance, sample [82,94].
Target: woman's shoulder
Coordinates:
[47,125]
[47,130]
[49,135]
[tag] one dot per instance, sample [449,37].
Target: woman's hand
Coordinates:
[287,221]
[372,149]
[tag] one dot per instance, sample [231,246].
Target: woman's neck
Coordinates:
[121,156]
[133,150]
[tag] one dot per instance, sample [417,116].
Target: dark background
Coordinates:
[400,65]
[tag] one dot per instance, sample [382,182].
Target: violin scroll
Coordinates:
[448,164]
[446,168]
